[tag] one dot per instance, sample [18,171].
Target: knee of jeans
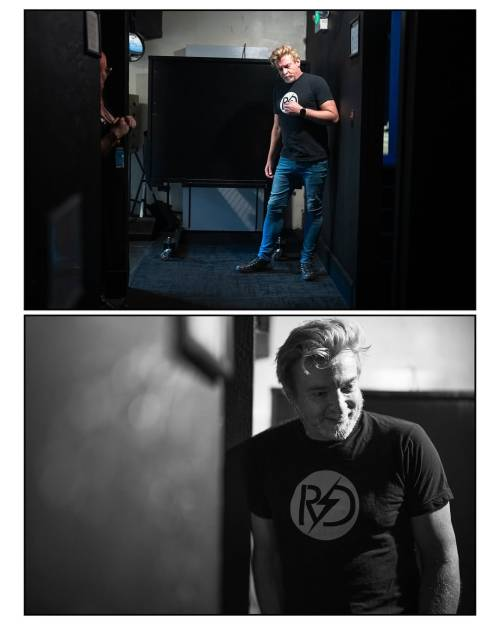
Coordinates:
[314,206]
[275,205]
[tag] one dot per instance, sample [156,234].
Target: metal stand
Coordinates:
[168,248]
[278,251]
[171,242]
[143,185]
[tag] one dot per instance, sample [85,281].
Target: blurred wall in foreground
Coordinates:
[122,470]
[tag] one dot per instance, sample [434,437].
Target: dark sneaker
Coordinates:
[308,272]
[257,264]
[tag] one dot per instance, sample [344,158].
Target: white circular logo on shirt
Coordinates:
[288,97]
[325,505]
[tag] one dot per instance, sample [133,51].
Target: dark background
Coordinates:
[209,119]
[61,154]
[401,236]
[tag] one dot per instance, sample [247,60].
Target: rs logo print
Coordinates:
[325,505]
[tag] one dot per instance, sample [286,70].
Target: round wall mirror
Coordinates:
[136,47]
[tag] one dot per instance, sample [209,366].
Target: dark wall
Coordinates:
[148,23]
[352,197]
[436,257]
[239,389]
[416,251]
[238,428]
[114,27]
[62,162]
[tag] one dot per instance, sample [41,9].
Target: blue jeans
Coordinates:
[313,176]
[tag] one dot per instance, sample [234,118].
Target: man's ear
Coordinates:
[291,401]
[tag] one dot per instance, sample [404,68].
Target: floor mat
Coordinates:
[202,275]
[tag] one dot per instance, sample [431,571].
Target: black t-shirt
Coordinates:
[342,510]
[303,139]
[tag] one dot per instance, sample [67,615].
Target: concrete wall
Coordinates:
[218,28]
[407,354]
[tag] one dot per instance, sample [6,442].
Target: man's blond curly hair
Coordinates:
[278,53]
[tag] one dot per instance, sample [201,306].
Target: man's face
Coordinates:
[288,68]
[328,401]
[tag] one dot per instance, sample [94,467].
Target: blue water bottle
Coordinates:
[119,158]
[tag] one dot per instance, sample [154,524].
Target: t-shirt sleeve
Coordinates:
[322,90]
[426,486]
[256,481]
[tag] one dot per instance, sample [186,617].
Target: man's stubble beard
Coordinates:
[343,430]
[340,431]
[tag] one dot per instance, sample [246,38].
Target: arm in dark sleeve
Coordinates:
[426,485]
[322,90]
[428,496]
[326,112]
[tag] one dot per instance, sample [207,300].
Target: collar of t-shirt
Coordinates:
[348,447]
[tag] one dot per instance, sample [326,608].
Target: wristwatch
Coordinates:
[302,112]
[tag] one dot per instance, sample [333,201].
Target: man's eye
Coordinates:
[347,389]
[319,393]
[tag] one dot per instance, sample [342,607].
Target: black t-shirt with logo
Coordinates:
[303,139]
[342,511]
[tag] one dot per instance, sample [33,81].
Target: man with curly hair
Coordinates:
[350,509]
[303,107]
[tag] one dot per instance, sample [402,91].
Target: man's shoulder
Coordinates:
[389,425]
[314,78]
[276,434]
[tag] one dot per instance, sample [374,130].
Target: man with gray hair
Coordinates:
[303,107]
[349,509]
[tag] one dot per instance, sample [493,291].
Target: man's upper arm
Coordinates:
[434,535]
[330,106]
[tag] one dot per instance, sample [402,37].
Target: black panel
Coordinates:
[147,23]
[373,288]
[210,119]
[238,403]
[238,400]
[115,199]
[350,237]
[449,420]
[437,192]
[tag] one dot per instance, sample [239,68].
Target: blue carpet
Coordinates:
[203,276]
